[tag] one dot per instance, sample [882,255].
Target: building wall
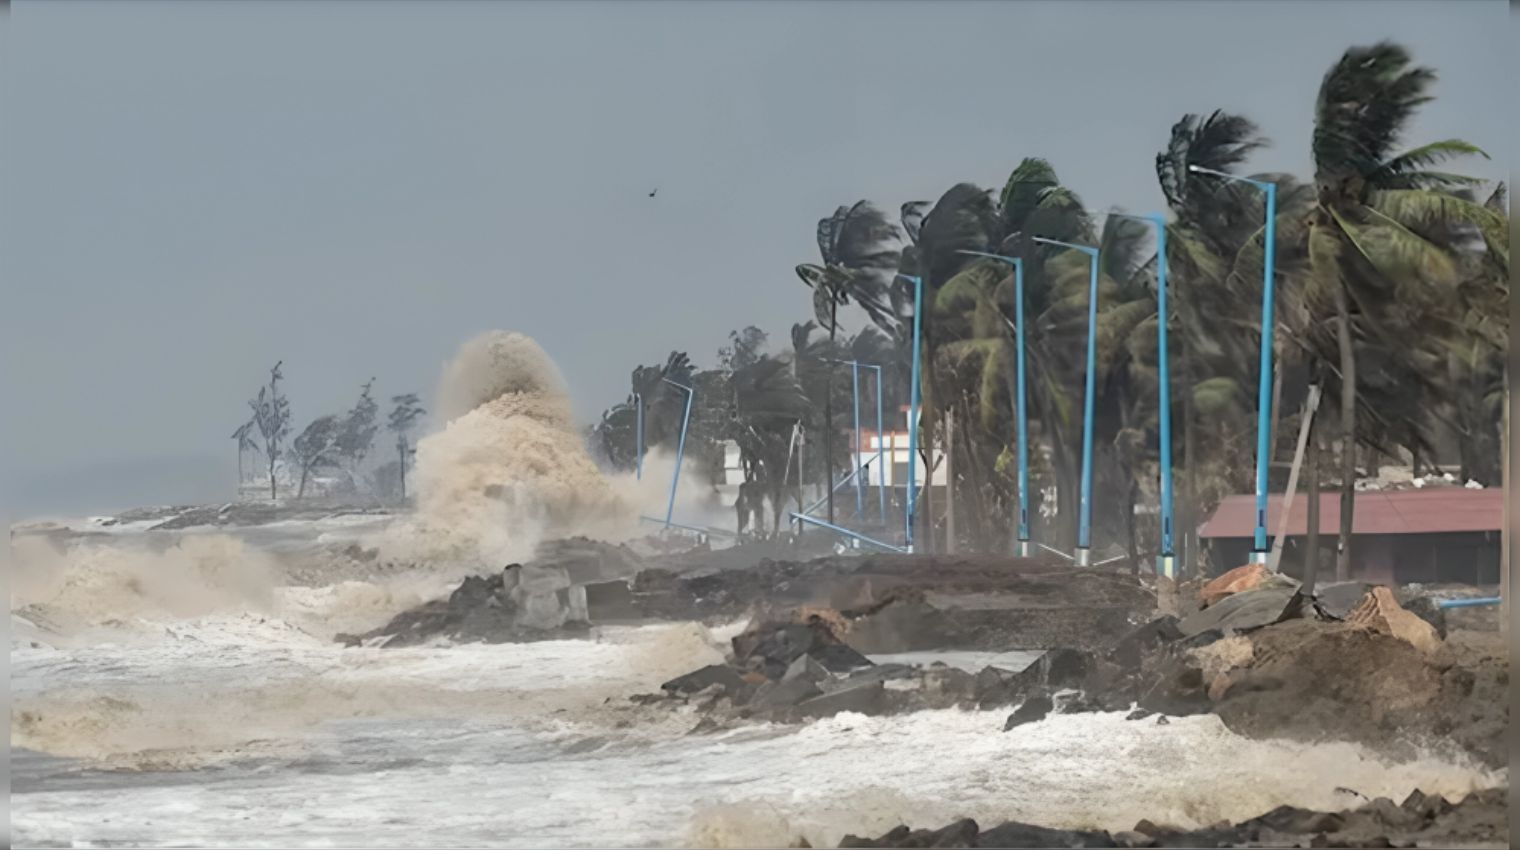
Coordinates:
[1464,558]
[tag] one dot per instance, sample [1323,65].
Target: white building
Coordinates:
[895,457]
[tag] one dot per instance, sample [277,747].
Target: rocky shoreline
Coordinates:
[1349,663]
[1478,820]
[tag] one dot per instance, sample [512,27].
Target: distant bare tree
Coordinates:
[402,419]
[271,415]
[317,448]
[356,434]
[245,441]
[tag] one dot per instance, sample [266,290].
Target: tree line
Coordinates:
[1391,273]
[332,442]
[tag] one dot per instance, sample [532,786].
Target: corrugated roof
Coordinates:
[1434,510]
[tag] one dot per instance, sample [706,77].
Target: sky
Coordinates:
[192,191]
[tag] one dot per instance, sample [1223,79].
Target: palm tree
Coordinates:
[860,257]
[1371,258]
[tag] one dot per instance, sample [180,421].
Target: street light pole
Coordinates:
[913,398]
[1084,508]
[670,509]
[1021,403]
[1259,548]
[860,492]
[1166,563]
[881,476]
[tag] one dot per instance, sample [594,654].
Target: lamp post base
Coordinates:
[1166,566]
[1259,558]
[1084,557]
[1022,548]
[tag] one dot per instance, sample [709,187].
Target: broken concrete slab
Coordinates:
[806,667]
[1240,612]
[1336,600]
[698,680]
[861,698]
[784,694]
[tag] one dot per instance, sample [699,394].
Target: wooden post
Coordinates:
[1311,404]
[1311,536]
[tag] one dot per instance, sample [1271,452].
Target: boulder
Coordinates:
[1033,710]
[1133,647]
[838,658]
[1338,599]
[784,694]
[609,601]
[862,698]
[805,667]
[698,680]
[1379,610]
[1021,835]
[962,833]
[1240,580]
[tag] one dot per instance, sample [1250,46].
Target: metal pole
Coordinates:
[675,479]
[1259,550]
[881,470]
[639,402]
[918,317]
[1263,395]
[1167,560]
[1021,404]
[860,493]
[1023,410]
[1084,521]
[1084,507]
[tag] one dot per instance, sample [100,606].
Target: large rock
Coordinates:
[1338,599]
[1033,710]
[1240,580]
[784,694]
[1021,835]
[699,680]
[862,698]
[1379,610]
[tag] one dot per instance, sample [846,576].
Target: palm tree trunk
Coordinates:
[401,448]
[301,489]
[1189,518]
[828,411]
[950,529]
[272,494]
[1311,537]
[240,466]
[1348,435]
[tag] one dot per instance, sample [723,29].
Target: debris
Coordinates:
[1244,611]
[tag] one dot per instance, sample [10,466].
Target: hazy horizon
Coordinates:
[198,190]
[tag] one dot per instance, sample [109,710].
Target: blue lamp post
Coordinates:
[1084,508]
[1021,403]
[1166,563]
[913,398]
[881,479]
[670,509]
[1259,548]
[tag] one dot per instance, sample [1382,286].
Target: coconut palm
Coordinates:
[1371,259]
[859,248]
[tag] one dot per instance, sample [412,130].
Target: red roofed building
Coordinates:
[1433,534]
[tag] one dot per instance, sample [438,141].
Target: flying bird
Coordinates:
[651,194]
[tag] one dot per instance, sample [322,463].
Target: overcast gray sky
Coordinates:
[192,191]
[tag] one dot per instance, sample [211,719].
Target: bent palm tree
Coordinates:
[860,256]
